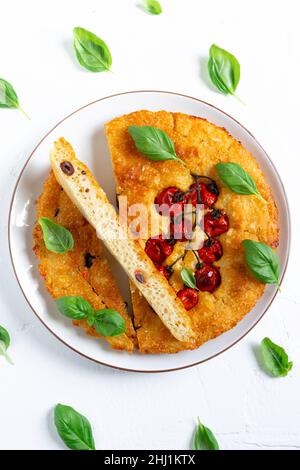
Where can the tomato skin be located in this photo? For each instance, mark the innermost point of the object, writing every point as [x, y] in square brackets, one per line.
[166, 271]
[211, 251]
[208, 278]
[172, 198]
[208, 195]
[158, 249]
[215, 223]
[189, 297]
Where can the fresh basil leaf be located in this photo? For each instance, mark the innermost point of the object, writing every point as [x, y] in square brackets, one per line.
[153, 7]
[8, 97]
[153, 142]
[204, 438]
[90, 319]
[188, 278]
[74, 307]
[108, 322]
[4, 337]
[91, 51]
[262, 261]
[4, 344]
[56, 237]
[223, 69]
[74, 429]
[237, 179]
[275, 359]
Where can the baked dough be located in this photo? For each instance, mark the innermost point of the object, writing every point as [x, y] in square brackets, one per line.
[201, 145]
[67, 274]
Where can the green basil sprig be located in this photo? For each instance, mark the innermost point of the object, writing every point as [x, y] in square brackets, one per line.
[56, 237]
[188, 278]
[74, 429]
[91, 51]
[262, 261]
[4, 344]
[204, 439]
[153, 7]
[223, 69]
[154, 143]
[107, 322]
[9, 98]
[274, 358]
[237, 179]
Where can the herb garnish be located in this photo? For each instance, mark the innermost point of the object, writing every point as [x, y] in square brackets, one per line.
[153, 7]
[274, 358]
[204, 438]
[74, 429]
[4, 344]
[262, 261]
[153, 142]
[107, 322]
[188, 278]
[91, 51]
[224, 70]
[237, 179]
[57, 238]
[9, 98]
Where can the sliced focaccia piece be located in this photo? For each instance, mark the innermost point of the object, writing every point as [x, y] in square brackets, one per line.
[201, 145]
[84, 191]
[85, 270]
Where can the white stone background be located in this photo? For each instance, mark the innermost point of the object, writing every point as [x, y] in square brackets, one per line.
[245, 408]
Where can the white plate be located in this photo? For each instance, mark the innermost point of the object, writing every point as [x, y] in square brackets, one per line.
[84, 130]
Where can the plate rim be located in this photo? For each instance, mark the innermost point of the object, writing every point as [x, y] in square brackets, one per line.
[12, 199]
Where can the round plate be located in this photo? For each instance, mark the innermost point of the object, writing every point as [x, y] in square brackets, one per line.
[85, 131]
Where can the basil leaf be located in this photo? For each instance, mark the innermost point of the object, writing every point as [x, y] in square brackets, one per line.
[74, 429]
[57, 238]
[204, 438]
[4, 344]
[91, 51]
[153, 142]
[237, 179]
[223, 69]
[188, 278]
[74, 307]
[153, 7]
[262, 261]
[275, 359]
[8, 97]
[108, 322]
[4, 337]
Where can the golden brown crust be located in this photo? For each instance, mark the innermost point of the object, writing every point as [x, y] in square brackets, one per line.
[201, 145]
[67, 274]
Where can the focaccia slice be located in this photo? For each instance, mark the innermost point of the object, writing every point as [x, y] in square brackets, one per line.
[84, 191]
[85, 270]
[201, 145]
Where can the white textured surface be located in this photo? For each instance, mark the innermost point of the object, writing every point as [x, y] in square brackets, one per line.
[245, 408]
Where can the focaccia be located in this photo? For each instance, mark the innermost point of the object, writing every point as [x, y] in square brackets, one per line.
[201, 145]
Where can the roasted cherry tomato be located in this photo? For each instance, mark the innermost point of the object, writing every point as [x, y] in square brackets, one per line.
[211, 251]
[159, 249]
[208, 278]
[215, 223]
[208, 193]
[170, 201]
[189, 297]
